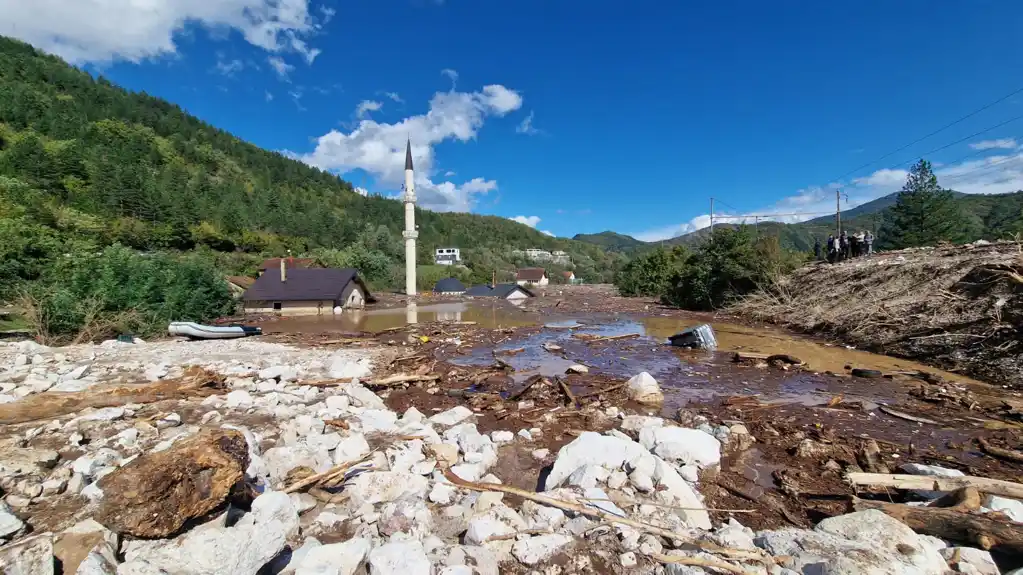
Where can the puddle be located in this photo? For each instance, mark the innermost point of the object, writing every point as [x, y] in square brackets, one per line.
[489, 315]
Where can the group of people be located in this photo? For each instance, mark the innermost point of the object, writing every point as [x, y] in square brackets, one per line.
[845, 246]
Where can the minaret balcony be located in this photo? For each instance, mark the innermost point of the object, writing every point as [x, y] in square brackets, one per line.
[409, 198]
[410, 235]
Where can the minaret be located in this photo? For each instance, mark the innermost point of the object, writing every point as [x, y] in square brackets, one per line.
[410, 234]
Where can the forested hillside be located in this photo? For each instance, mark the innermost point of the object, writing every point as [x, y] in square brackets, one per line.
[85, 164]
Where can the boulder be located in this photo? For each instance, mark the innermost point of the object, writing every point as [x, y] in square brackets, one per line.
[865, 542]
[970, 561]
[399, 558]
[280, 460]
[499, 519]
[30, 556]
[686, 446]
[155, 494]
[1013, 508]
[613, 453]
[101, 560]
[643, 388]
[215, 549]
[334, 559]
[536, 549]
[9, 522]
[344, 367]
[361, 396]
[382, 486]
[453, 416]
[351, 448]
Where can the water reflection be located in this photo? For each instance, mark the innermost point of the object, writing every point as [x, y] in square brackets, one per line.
[497, 314]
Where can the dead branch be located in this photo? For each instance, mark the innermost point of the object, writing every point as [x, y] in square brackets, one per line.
[529, 383]
[327, 476]
[603, 515]
[700, 561]
[1000, 452]
[568, 392]
[907, 416]
[400, 379]
[932, 483]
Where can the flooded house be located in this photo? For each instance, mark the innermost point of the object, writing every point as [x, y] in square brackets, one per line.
[290, 263]
[532, 276]
[238, 284]
[514, 293]
[303, 291]
[449, 286]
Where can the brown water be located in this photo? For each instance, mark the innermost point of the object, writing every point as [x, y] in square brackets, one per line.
[491, 315]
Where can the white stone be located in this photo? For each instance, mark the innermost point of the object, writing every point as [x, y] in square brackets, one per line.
[334, 559]
[89, 465]
[541, 454]
[539, 516]
[338, 402]
[643, 388]
[239, 398]
[156, 372]
[169, 420]
[361, 396]
[327, 441]
[525, 434]
[102, 414]
[641, 481]
[280, 460]
[468, 471]
[76, 373]
[617, 480]
[453, 416]
[303, 502]
[30, 556]
[628, 559]
[9, 522]
[577, 368]
[1013, 508]
[687, 446]
[588, 476]
[635, 423]
[351, 448]
[377, 421]
[442, 493]
[499, 519]
[383, 486]
[500, 437]
[345, 367]
[971, 561]
[934, 470]
[100, 561]
[412, 415]
[20, 360]
[399, 558]
[613, 453]
[536, 549]
[278, 372]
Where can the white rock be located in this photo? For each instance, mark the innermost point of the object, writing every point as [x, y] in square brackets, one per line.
[442, 493]
[613, 453]
[377, 421]
[278, 372]
[934, 470]
[1013, 508]
[21, 360]
[539, 516]
[541, 454]
[971, 561]
[577, 368]
[327, 441]
[156, 372]
[30, 556]
[102, 414]
[383, 486]
[643, 388]
[344, 367]
[338, 402]
[635, 423]
[90, 465]
[399, 558]
[169, 420]
[687, 446]
[588, 476]
[53, 486]
[617, 480]
[76, 373]
[499, 519]
[280, 460]
[641, 481]
[9, 522]
[525, 434]
[100, 561]
[351, 448]
[361, 396]
[628, 559]
[239, 398]
[303, 502]
[500, 437]
[334, 559]
[536, 549]
[468, 471]
[453, 416]
[412, 415]
[457, 570]
[329, 520]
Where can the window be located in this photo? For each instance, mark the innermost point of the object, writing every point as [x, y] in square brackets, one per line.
[277, 306]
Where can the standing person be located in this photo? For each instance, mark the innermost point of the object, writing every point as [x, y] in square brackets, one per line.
[869, 239]
[816, 248]
[843, 245]
[832, 249]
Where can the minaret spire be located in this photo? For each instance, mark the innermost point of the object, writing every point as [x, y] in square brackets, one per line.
[410, 234]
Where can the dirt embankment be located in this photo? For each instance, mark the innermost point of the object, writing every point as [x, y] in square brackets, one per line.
[959, 308]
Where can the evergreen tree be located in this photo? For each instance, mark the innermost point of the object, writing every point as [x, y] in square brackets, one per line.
[924, 214]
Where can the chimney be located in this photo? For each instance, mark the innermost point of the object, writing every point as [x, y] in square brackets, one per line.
[284, 271]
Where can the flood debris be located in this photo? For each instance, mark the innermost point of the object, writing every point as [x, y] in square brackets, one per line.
[698, 337]
[157, 493]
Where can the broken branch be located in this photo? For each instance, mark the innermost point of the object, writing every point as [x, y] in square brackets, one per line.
[700, 561]
[1000, 452]
[931, 483]
[906, 416]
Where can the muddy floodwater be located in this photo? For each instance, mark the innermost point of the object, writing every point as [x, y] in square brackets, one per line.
[490, 315]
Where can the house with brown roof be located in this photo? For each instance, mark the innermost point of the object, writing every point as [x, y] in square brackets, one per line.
[298, 291]
[238, 284]
[532, 276]
[291, 263]
[569, 277]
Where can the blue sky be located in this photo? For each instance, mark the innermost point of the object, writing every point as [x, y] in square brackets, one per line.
[580, 117]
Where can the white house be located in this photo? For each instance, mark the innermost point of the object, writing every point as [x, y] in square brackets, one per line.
[447, 256]
[532, 276]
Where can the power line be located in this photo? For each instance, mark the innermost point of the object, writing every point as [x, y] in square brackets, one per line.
[939, 130]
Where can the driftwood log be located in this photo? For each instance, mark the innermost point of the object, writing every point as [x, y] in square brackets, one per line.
[959, 522]
[930, 483]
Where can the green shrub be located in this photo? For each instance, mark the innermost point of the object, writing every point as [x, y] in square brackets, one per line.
[651, 274]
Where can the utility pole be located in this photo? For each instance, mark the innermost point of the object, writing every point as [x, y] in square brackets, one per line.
[838, 212]
[712, 214]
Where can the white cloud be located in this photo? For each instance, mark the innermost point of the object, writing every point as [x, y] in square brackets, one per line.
[394, 96]
[545, 232]
[361, 191]
[526, 126]
[452, 75]
[105, 30]
[281, 67]
[1000, 144]
[530, 221]
[448, 174]
[991, 175]
[379, 148]
[367, 106]
[269, 97]
[228, 67]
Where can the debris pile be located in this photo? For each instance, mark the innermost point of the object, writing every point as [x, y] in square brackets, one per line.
[294, 464]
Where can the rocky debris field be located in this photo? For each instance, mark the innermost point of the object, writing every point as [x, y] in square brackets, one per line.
[246, 457]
